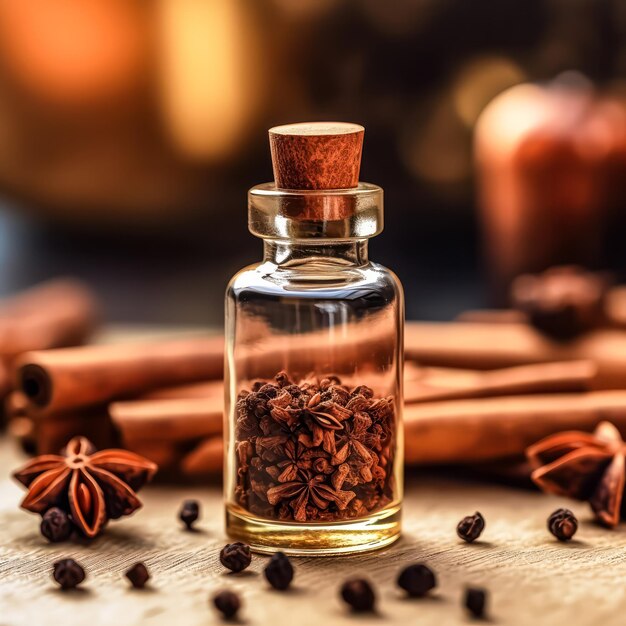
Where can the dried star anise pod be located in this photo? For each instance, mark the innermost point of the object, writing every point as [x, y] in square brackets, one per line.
[584, 466]
[352, 441]
[297, 458]
[93, 487]
[309, 487]
[323, 420]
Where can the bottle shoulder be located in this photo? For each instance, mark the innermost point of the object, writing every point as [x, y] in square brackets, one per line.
[327, 282]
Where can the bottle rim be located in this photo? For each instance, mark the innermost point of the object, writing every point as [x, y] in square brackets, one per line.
[289, 214]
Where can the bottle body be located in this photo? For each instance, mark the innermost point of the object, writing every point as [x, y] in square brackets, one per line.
[313, 433]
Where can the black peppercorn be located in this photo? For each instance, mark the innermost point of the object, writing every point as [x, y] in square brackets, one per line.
[189, 513]
[235, 556]
[358, 593]
[279, 571]
[475, 601]
[471, 527]
[227, 603]
[138, 575]
[563, 524]
[417, 580]
[68, 573]
[56, 525]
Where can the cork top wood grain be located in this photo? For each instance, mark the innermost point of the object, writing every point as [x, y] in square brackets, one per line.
[316, 155]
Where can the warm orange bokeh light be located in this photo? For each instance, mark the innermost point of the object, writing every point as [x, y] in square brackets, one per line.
[210, 70]
[72, 51]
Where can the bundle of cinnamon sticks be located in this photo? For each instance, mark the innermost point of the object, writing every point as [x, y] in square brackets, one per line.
[159, 398]
[58, 313]
[475, 392]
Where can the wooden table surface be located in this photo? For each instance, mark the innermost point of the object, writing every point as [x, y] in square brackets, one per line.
[532, 578]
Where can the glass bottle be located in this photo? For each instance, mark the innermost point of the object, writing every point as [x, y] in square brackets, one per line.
[314, 353]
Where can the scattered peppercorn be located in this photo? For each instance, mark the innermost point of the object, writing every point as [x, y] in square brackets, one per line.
[138, 575]
[68, 573]
[563, 524]
[279, 571]
[471, 527]
[56, 525]
[417, 580]
[227, 603]
[358, 593]
[475, 601]
[236, 556]
[189, 513]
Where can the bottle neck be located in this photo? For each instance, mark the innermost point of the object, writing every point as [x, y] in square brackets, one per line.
[345, 252]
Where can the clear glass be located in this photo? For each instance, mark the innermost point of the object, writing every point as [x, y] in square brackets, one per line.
[313, 436]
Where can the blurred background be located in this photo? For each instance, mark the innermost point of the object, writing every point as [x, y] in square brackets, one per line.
[131, 130]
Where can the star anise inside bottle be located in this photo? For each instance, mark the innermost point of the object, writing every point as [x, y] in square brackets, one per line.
[313, 451]
[298, 457]
[309, 487]
[584, 466]
[93, 487]
[353, 440]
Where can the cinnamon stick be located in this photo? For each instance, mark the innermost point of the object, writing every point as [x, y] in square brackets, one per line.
[493, 428]
[490, 346]
[52, 433]
[493, 316]
[168, 419]
[427, 384]
[209, 389]
[59, 380]
[58, 313]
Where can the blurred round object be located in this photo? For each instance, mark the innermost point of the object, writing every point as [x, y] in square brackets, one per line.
[562, 302]
[73, 51]
[551, 161]
[518, 111]
[479, 81]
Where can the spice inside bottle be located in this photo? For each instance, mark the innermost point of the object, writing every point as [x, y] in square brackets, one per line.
[314, 358]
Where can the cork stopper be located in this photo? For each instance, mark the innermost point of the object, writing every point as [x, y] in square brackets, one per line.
[318, 156]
